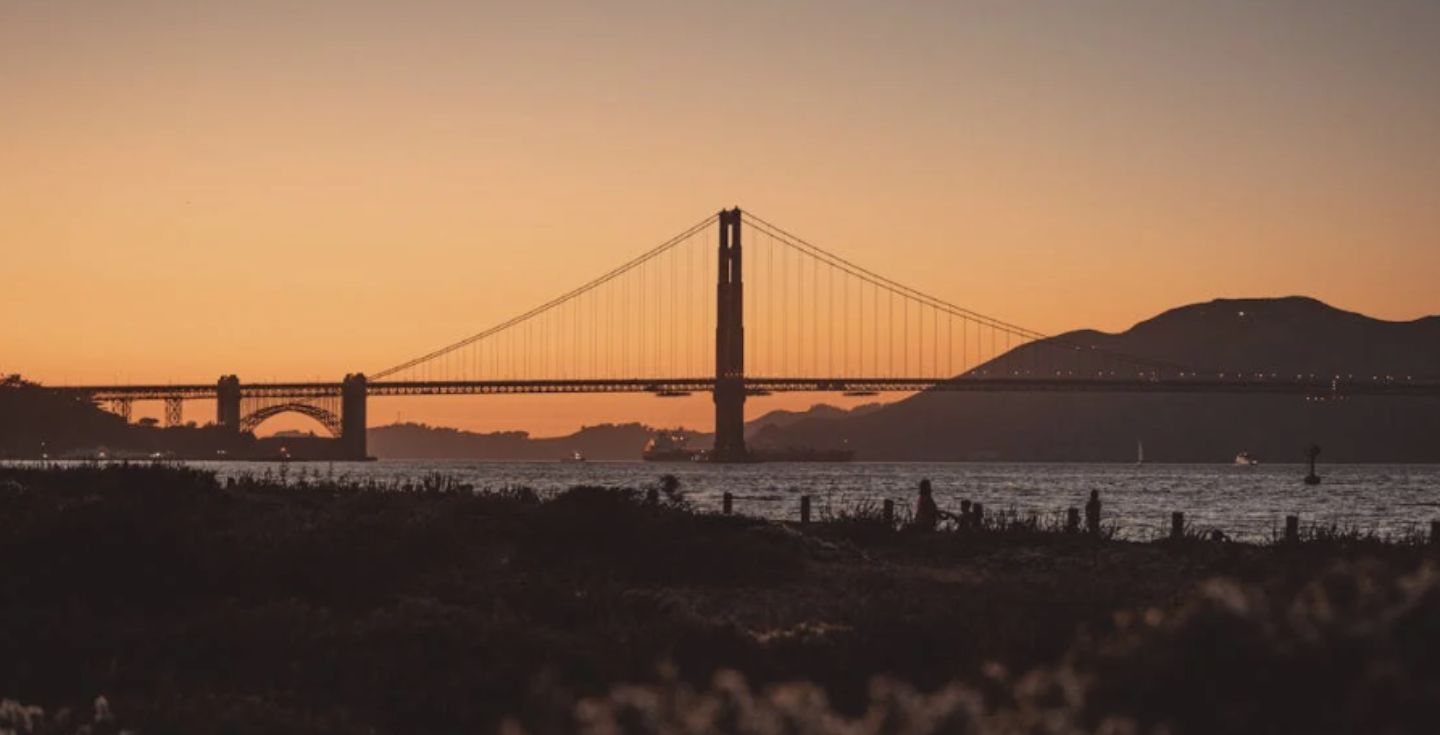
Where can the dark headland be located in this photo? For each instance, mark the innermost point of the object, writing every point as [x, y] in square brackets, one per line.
[1282, 336]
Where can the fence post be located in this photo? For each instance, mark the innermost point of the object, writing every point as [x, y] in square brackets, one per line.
[1435, 533]
[1072, 520]
[979, 510]
[804, 508]
[1292, 529]
[1177, 526]
[727, 503]
[889, 507]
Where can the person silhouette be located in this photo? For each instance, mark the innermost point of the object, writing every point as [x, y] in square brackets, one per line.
[1092, 513]
[927, 514]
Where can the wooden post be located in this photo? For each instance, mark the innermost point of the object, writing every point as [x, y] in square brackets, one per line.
[1292, 529]
[804, 508]
[1435, 533]
[1072, 520]
[979, 510]
[889, 509]
[727, 503]
[1177, 526]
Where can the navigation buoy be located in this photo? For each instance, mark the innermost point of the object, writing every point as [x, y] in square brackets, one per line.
[1311, 454]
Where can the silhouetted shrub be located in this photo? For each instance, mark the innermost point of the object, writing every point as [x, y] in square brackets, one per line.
[424, 606]
[1351, 652]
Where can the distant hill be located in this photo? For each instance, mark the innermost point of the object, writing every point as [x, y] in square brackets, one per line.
[603, 442]
[36, 422]
[779, 419]
[1283, 335]
[419, 441]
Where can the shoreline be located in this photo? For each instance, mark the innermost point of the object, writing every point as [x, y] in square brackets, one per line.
[1246, 503]
[661, 464]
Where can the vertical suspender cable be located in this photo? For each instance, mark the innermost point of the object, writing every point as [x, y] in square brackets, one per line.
[787, 312]
[890, 327]
[815, 316]
[689, 307]
[830, 317]
[935, 348]
[772, 359]
[673, 368]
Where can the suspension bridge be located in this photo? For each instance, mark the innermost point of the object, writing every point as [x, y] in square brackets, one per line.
[734, 306]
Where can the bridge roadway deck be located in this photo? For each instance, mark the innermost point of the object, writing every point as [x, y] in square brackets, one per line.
[1306, 386]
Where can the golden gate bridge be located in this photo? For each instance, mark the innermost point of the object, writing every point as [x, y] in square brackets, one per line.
[784, 315]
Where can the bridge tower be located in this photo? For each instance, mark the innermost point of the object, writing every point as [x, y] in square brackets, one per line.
[352, 417]
[729, 345]
[227, 403]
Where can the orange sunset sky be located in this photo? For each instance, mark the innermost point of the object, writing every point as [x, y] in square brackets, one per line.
[297, 190]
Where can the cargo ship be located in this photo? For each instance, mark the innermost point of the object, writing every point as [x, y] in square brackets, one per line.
[669, 447]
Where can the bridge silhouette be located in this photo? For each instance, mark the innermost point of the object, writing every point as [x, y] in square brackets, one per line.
[809, 320]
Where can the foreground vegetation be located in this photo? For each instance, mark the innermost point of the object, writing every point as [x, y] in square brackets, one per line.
[195, 607]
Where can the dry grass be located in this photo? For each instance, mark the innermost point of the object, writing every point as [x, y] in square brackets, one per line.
[426, 607]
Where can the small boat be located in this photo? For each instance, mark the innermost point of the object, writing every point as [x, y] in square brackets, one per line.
[1244, 459]
[575, 456]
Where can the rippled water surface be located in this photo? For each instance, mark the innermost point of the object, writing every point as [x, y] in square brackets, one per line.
[1245, 502]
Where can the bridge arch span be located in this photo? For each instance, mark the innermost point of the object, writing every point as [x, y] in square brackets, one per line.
[325, 417]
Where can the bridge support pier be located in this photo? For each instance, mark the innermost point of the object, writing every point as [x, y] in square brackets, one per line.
[352, 417]
[729, 422]
[730, 346]
[227, 403]
[174, 411]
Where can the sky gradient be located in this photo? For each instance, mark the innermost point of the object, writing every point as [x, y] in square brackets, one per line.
[300, 190]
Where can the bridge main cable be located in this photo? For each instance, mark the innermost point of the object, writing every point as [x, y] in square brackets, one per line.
[875, 279]
[574, 293]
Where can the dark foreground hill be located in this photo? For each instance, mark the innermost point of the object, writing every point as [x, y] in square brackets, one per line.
[1283, 336]
[193, 607]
